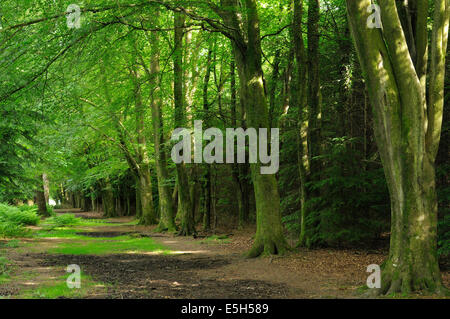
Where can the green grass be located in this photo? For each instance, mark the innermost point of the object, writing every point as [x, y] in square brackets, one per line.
[60, 289]
[59, 232]
[70, 220]
[101, 246]
[215, 239]
[63, 220]
[4, 269]
[14, 243]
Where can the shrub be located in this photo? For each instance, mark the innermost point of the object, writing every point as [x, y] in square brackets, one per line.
[64, 220]
[9, 229]
[348, 204]
[13, 219]
[23, 215]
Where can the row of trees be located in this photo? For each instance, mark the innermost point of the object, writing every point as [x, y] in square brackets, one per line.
[97, 106]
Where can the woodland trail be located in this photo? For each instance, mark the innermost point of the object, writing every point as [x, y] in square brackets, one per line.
[205, 267]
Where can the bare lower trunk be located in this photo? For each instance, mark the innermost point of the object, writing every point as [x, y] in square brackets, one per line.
[109, 209]
[138, 200]
[148, 216]
[40, 199]
[412, 264]
[185, 206]
[46, 184]
[269, 238]
[208, 202]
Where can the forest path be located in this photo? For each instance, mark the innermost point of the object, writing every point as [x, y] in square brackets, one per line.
[207, 267]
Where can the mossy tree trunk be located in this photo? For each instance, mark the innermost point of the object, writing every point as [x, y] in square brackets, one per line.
[109, 209]
[138, 200]
[148, 216]
[298, 93]
[246, 43]
[185, 206]
[46, 184]
[167, 218]
[407, 130]
[239, 171]
[40, 198]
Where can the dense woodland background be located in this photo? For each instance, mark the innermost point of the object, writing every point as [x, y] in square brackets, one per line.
[86, 114]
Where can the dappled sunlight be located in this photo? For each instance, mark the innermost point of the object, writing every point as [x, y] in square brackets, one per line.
[30, 283]
[190, 252]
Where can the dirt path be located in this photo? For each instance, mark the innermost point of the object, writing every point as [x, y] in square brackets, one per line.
[197, 268]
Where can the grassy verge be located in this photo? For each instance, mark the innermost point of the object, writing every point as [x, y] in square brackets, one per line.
[102, 246]
[215, 239]
[59, 288]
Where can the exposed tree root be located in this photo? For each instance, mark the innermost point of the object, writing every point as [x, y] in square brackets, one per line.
[162, 228]
[267, 247]
[187, 231]
[404, 280]
[146, 221]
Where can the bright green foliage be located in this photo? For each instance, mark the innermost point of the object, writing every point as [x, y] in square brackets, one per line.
[21, 216]
[63, 220]
[13, 220]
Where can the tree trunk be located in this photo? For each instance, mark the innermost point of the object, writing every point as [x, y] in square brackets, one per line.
[185, 206]
[407, 135]
[46, 184]
[269, 237]
[166, 221]
[40, 198]
[298, 100]
[138, 200]
[313, 90]
[208, 203]
[239, 171]
[109, 209]
[148, 214]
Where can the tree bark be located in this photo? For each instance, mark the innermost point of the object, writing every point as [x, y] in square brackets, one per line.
[166, 220]
[109, 209]
[239, 171]
[46, 184]
[407, 136]
[298, 100]
[269, 237]
[185, 206]
[148, 216]
[40, 198]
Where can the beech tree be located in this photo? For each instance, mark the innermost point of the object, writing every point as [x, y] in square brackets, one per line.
[408, 113]
[246, 42]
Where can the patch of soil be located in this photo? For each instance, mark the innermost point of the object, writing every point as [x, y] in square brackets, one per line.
[6, 290]
[150, 276]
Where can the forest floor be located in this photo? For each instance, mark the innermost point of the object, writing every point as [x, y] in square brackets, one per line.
[119, 259]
